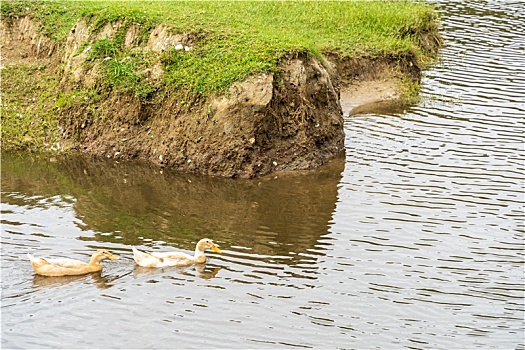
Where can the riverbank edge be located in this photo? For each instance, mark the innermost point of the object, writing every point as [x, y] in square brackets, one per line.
[285, 120]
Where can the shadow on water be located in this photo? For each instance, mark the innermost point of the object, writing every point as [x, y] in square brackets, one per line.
[133, 203]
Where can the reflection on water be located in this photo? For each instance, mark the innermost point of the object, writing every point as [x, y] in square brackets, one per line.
[93, 278]
[132, 203]
[414, 239]
[201, 271]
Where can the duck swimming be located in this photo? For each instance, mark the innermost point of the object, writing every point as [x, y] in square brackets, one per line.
[69, 267]
[162, 259]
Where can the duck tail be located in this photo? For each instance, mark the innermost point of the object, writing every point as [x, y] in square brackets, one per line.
[34, 260]
[137, 254]
[145, 259]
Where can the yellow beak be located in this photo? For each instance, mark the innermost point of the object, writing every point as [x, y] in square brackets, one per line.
[215, 248]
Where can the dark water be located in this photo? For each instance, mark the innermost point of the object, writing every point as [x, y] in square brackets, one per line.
[413, 239]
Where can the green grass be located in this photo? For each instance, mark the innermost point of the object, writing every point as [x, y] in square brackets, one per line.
[28, 117]
[240, 38]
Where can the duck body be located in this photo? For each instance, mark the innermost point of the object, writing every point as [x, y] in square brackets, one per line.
[69, 267]
[164, 259]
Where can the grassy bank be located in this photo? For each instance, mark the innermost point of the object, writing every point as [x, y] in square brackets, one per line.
[232, 40]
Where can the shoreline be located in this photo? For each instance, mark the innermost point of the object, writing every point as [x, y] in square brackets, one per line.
[290, 118]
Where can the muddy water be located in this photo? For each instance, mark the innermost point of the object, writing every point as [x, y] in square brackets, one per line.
[413, 239]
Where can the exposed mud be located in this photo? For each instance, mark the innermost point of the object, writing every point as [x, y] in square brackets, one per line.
[262, 125]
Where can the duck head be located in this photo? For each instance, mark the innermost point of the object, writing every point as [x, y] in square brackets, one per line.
[102, 254]
[207, 243]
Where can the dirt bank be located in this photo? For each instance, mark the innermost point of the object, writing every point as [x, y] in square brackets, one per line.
[264, 124]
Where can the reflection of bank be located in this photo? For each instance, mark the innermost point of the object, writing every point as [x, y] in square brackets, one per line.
[134, 203]
[201, 270]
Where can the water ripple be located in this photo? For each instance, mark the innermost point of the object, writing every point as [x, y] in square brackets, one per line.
[434, 197]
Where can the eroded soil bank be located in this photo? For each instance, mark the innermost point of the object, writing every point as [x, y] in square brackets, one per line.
[264, 124]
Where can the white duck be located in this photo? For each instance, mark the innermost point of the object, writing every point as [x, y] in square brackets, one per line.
[69, 267]
[163, 259]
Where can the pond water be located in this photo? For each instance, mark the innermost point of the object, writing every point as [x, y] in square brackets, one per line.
[412, 239]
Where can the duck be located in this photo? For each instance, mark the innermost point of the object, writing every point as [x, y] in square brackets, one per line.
[163, 259]
[69, 267]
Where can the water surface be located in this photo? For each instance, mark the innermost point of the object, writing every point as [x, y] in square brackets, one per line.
[412, 239]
